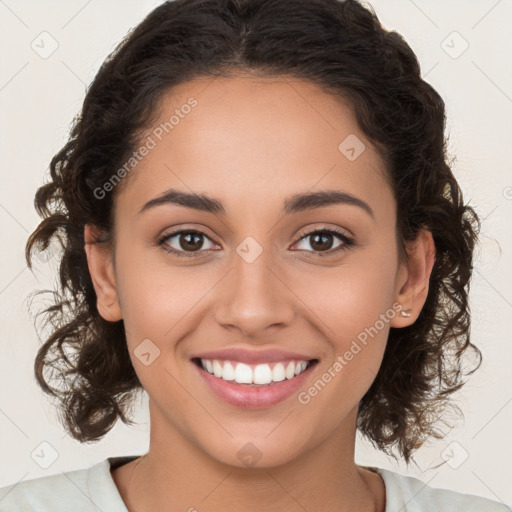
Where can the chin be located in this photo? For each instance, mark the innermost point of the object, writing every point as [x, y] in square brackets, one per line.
[254, 454]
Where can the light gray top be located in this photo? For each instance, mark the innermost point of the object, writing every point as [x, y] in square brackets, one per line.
[93, 489]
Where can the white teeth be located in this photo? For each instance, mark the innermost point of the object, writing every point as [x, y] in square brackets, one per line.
[290, 370]
[228, 372]
[260, 374]
[300, 367]
[217, 368]
[243, 374]
[278, 372]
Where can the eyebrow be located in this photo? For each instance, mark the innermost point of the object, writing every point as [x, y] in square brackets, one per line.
[294, 204]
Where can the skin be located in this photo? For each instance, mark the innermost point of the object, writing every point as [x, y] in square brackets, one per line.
[252, 143]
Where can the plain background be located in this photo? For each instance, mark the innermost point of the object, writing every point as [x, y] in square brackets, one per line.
[39, 98]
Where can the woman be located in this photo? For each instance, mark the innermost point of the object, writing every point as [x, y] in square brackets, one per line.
[262, 232]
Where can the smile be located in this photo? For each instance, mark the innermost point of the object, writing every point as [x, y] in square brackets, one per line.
[260, 374]
[253, 386]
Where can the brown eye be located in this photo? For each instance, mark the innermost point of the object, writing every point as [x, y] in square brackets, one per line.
[322, 241]
[185, 241]
[190, 241]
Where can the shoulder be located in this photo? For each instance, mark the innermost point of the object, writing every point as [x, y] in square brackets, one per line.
[85, 489]
[409, 494]
[53, 492]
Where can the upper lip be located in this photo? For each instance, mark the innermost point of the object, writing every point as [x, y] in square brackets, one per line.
[248, 356]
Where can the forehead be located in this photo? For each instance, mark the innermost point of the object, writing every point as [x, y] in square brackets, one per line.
[255, 139]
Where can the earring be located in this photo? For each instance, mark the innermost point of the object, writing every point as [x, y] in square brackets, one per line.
[404, 313]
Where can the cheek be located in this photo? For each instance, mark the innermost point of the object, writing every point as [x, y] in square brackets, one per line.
[353, 306]
[351, 297]
[161, 305]
[156, 296]
[355, 320]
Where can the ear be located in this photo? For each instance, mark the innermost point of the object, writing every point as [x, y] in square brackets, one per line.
[101, 269]
[412, 283]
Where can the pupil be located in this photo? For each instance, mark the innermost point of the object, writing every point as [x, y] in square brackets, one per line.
[325, 238]
[191, 245]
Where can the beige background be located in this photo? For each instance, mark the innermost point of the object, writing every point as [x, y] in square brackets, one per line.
[38, 99]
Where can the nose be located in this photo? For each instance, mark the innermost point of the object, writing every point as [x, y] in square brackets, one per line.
[255, 298]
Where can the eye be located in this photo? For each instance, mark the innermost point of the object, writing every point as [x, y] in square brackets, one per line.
[187, 241]
[322, 241]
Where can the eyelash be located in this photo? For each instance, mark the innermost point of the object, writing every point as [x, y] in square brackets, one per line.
[347, 242]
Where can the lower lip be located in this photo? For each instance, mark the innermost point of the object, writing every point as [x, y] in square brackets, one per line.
[254, 397]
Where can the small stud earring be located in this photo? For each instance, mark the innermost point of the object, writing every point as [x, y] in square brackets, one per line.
[404, 313]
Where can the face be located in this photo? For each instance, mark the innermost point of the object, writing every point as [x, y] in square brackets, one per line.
[247, 274]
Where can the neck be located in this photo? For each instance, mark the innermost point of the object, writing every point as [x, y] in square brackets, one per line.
[177, 475]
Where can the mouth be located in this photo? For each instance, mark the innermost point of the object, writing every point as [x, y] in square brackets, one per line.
[254, 386]
[266, 374]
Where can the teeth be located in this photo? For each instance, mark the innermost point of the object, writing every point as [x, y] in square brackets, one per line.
[278, 373]
[262, 374]
[259, 374]
[242, 375]
[228, 372]
[300, 367]
[217, 368]
[290, 370]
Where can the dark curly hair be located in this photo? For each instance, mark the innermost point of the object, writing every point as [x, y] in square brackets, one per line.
[341, 46]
